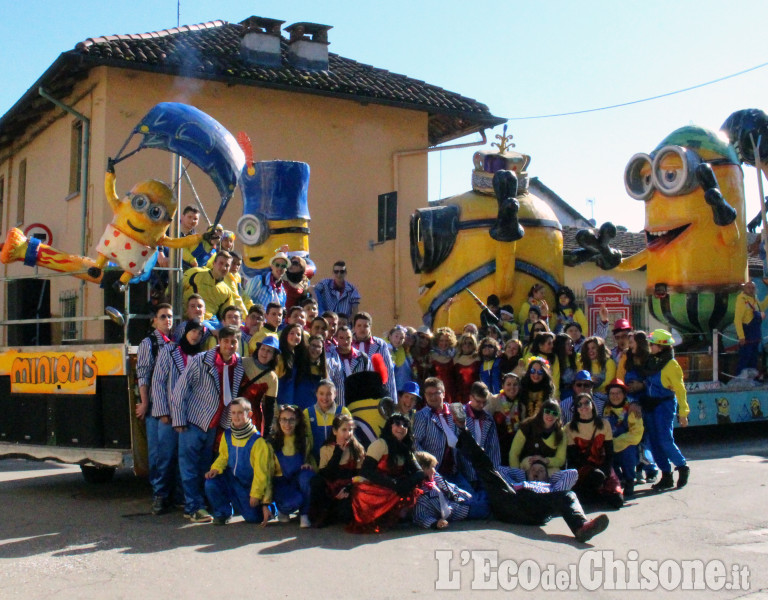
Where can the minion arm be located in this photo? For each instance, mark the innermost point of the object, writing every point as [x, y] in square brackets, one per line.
[110, 192]
[634, 262]
[188, 241]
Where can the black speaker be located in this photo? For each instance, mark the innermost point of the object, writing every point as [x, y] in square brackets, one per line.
[29, 298]
[23, 417]
[77, 420]
[115, 411]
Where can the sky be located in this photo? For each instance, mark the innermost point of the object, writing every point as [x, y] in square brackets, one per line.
[520, 59]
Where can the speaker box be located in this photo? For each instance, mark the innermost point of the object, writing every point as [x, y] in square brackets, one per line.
[77, 420]
[115, 411]
[23, 417]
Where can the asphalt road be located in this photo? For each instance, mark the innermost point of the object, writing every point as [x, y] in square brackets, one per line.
[63, 538]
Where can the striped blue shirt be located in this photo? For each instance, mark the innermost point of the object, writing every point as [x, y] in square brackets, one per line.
[429, 435]
[329, 298]
[261, 290]
[145, 358]
[195, 397]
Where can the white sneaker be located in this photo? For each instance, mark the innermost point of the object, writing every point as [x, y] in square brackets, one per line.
[283, 518]
[304, 522]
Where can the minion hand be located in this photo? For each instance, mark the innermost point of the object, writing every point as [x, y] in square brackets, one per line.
[111, 165]
[722, 212]
[596, 246]
[507, 227]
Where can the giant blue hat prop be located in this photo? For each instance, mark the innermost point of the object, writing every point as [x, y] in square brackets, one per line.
[277, 190]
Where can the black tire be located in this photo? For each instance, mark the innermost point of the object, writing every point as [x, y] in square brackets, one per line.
[97, 474]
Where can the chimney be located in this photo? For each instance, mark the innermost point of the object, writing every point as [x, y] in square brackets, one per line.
[308, 46]
[260, 42]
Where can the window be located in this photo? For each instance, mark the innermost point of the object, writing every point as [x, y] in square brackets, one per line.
[75, 157]
[22, 192]
[387, 226]
[68, 308]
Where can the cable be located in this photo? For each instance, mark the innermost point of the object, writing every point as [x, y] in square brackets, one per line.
[688, 89]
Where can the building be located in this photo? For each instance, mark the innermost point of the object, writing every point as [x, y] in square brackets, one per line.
[363, 130]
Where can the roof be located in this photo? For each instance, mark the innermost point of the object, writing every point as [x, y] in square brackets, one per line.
[212, 51]
[556, 201]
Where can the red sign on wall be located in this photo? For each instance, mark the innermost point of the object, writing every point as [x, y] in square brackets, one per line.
[615, 295]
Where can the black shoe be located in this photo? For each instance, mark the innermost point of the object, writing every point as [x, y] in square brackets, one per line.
[591, 528]
[220, 520]
[615, 500]
[665, 483]
[629, 490]
[94, 272]
[682, 476]
[159, 506]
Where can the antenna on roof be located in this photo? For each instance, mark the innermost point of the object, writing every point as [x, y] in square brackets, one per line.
[178, 13]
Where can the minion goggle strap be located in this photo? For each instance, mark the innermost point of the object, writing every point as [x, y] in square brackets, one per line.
[254, 229]
[671, 171]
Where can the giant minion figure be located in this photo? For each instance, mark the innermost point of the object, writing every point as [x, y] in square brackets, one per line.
[490, 245]
[275, 214]
[696, 251]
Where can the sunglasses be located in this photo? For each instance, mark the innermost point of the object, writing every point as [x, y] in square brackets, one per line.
[339, 271]
[551, 411]
[536, 371]
[582, 384]
[584, 404]
[281, 265]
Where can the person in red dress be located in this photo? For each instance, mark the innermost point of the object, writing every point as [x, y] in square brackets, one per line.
[441, 360]
[466, 367]
[386, 492]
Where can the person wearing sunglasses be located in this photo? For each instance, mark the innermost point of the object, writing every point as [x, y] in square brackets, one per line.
[536, 385]
[540, 438]
[590, 452]
[582, 384]
[336, 293]
[268, 286]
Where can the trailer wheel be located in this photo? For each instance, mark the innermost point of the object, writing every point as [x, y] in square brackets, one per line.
[97, 474]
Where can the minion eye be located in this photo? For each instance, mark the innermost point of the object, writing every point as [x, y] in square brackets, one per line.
[638, 177]
[157, 213]
[253, 229]
[139, 202]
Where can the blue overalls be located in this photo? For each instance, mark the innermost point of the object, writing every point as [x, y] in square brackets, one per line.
[230, 492]
[291, 491]
[659, 412]
[319, 432]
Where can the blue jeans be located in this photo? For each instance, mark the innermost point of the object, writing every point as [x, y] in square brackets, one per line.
[228, 496]
[293, 493]
[167, 482]
[195, 459]
[625, 463]
[659, 424]
[151, 424]
[479, 506]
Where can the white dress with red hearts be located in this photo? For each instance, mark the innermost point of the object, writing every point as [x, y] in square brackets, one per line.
[122, 249]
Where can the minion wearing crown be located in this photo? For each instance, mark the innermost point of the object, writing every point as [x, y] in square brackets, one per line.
[487, 241]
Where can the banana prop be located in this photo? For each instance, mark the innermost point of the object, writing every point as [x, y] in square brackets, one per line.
[138, 227]
[497, 239]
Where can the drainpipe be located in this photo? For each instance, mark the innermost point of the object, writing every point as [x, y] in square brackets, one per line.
[396, 156]
[83, 177]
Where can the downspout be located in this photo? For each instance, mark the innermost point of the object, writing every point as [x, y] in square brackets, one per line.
[83, 177]
[396, 184]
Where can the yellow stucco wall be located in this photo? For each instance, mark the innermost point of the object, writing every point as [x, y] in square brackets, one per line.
[348, 145]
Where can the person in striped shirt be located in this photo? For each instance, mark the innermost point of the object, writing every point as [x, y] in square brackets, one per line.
[199, 407]
[336, 294]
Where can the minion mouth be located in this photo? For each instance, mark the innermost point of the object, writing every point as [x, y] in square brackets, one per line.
[136, 229]
[426, 287]
[656, 240]
[255, 259]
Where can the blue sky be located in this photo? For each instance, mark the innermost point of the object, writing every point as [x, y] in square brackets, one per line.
[520, 59]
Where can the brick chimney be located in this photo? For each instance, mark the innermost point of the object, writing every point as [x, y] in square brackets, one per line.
[260, 42]
[308, 46]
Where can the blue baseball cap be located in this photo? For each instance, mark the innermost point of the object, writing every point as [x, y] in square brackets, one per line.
[270, 341]
[583, 376]
[411, 387]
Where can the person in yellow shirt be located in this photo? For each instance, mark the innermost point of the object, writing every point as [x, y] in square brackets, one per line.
[595, 358]
[665, 398]
[748, 320]
[318, 419]
[240, 479]
[627, 426]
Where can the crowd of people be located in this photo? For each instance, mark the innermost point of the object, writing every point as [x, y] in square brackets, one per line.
[521, 416]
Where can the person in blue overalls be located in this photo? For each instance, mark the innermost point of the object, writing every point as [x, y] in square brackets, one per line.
[240, 479]
[748, 320]
[318, 418]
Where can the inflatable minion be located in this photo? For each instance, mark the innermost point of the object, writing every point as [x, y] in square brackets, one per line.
[696, 251]
[275, 214]
[498, 245]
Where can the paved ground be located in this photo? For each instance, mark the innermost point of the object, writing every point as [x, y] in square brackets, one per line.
[63, 538]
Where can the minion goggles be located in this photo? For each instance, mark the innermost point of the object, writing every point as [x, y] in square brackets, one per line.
[644, 173]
